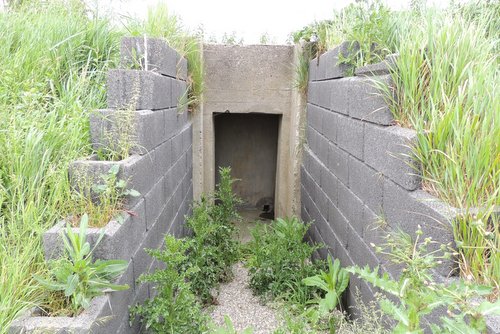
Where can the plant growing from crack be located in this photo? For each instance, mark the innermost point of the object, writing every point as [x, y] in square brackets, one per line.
[76, 275]
[419, 294]
[103, 201]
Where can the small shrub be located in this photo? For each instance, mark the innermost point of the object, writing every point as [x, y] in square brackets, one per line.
[332, 283]
[77, 276]
[174, 309]
[279, 259]
[419, 294]
[213, 249]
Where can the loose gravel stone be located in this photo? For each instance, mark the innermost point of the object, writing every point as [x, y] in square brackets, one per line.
[245, 310]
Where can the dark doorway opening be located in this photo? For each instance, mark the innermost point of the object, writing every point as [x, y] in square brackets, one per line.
[248, 143]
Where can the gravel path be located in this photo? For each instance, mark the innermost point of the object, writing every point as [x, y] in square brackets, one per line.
[236, 301]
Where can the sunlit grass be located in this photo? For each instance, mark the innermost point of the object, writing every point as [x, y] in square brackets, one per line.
[54, 63]
[161, 23]
[446, 80]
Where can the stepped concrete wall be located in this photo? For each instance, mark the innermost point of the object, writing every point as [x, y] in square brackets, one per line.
[144, 116]
[358, 175]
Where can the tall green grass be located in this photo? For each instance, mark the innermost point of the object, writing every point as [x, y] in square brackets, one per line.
[161, 23]
[54, 58]
[446, 83]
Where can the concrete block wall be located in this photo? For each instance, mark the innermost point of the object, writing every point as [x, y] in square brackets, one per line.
[358, 175]
[143, 105]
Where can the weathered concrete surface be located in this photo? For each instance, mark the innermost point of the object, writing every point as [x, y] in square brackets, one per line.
[149, 54]
[250, 79]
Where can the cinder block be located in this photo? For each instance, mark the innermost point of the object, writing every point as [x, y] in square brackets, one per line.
[331, 60]
[312, 139]
[313, 90]
[182, 68]
[360, 252]
[119, 301]
[306, 158]
[177, 148]
[326, 233]
[350, 136]
[322, 202]
[338, 224]
[381, 68]
[339, 95]
[163, 158]
[118, 241]
[171, 128]
[323, 147]
[389, 150]
[149, 54]
[182, 104]
[187, 138]
[155, 201]
[313, 70]
[138, 90]
[135, 170]
[366, 183]
[375, 228]
[314, 169]
[330, 124]
[338, 163]
[180, 169]
[367, 101]
[352, 208]
[324, 93]
[407, 210]
[141, 261]
[141, 130]
[314, 117]
[89, 321]
[329, 184]
[321, 70]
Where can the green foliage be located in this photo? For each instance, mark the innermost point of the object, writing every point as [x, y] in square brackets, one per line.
[279, 259]
[55, 56]
[321, 315]
[194, 265]
[77, 276]
[104, 201]
[162, 24]
[419, 294]
[445, 80]
[333, 283]
[228, 328]
[369, 27]
[175, 308]
[213, 249]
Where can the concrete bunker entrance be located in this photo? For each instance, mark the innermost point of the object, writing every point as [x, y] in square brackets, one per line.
[248, 143]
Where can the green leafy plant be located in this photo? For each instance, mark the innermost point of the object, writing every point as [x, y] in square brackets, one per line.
[419, 294]
[213, 249]
[369, 27]
[77, 276]
[228, 328]
[279, 259]
[333, 283]
[103, 201]
[194, 265]
[175, 308]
